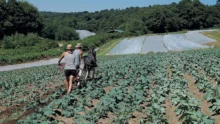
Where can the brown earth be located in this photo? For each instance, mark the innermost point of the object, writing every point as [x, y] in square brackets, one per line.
[170, 113]
[105, 121]
[95, 102]
[137, 118]
[169, 71]
[217, 119]
[108, 89]
[87, 108]
[108, 120]
[23, 116]
[204, 104]
[64, 120]
[211, 80]
[111, 115]
[9, 111]
[198, 95]
[3, 108]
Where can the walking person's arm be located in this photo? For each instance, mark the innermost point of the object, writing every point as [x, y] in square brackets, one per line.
[61, 57]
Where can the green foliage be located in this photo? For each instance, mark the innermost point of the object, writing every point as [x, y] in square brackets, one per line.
[20, 40]
[56, 31]
[66, 33]
[49, 30]
[20, 17]
[136, 27]
[187, 14]
[20, 48]
[136, 83]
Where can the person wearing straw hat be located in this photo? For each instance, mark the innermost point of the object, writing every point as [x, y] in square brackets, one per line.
[70, 68]
[79, 55]
[78, 50]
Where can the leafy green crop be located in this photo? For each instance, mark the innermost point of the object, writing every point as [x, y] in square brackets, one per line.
[125, 85]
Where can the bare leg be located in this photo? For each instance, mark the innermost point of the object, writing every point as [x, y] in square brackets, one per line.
[67, 85]
[70, 84]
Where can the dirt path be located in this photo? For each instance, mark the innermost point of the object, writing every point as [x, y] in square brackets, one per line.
[204, 104]
[108, 89]
[211, 80]
[198, 95]
[170, 113]
[169, 71]
[136, 118]
[170, 109]
[28, 65]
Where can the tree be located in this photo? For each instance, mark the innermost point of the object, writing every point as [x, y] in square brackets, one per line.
[3, 13]
[162, 20]
[66, 33]
[20, 17]
[49, 30]
[136, 27]
[31, 21]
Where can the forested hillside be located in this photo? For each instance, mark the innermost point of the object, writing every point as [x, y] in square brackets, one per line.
[22, 17]
[187, 14]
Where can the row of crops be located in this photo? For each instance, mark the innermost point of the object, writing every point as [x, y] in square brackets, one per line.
[128, 89]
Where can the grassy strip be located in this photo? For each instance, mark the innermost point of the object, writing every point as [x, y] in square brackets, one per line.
[214, 35]
[29, 56]
[105, 49]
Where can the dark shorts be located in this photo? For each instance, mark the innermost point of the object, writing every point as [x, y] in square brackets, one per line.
[68, 73]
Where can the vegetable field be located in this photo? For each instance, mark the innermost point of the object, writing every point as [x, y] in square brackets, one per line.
[173, 87]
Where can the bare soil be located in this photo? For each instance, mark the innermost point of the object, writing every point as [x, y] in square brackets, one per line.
[87, 108]
[111, 115]
[95, 102]
[3, 108]
[105, 121]
[108, 89]
[217, 119]
[198, 95]
[169, 71]
[64, 120]
[170, 113]
[204, 104]
[23, 116]
[137, 118]
[9, 111]
[211, 80]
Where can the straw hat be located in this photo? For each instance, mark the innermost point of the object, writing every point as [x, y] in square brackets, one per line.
[69, 47]
[78, 45]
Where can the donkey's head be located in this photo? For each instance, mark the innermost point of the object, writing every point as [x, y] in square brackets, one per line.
[92, 51]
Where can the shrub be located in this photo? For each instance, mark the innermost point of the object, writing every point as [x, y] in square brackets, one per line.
[20, 40]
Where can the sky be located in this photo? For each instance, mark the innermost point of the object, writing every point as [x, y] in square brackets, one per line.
[97, 5]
